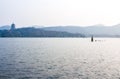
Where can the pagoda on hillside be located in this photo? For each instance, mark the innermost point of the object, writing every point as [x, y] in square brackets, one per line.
[12, 27]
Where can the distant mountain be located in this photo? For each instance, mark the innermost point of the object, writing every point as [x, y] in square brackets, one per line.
[33, 32]
[36, 26]
[96, 30]
[6, 27]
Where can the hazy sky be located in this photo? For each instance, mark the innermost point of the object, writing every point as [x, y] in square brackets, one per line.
[59, 12]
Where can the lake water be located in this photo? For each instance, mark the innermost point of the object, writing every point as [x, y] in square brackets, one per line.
[59, 58]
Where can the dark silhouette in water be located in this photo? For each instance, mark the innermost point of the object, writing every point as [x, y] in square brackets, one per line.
[92, 39]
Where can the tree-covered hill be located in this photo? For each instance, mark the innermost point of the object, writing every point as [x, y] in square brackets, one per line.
[33, 32]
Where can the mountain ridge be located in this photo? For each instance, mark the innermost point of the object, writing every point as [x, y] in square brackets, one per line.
[89, 30]
[95, 30]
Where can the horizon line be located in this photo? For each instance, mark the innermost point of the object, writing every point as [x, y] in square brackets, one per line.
[63, 25]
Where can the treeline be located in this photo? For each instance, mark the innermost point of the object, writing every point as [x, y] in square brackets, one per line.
[33, 32]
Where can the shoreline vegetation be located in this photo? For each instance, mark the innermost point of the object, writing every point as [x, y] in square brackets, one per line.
[33, 32]
[54, 32]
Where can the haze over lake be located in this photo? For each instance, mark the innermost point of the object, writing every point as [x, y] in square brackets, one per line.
[59, 58]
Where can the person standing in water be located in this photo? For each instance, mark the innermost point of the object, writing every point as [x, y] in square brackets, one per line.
[92, 39]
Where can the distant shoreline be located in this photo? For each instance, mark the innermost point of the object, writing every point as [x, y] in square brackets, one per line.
[59, 37]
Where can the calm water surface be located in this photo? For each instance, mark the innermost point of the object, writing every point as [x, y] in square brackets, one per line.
[59, 58]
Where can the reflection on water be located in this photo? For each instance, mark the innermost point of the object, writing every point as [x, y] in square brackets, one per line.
[59, 58]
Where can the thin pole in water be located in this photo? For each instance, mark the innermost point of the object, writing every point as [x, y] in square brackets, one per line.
[92, 39]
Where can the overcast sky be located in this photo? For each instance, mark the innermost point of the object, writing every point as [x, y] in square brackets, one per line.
[59, 12]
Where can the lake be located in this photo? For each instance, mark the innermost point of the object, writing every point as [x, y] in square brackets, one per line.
[59, 58]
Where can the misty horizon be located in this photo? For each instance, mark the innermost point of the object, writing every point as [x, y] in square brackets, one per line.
[99, 25]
